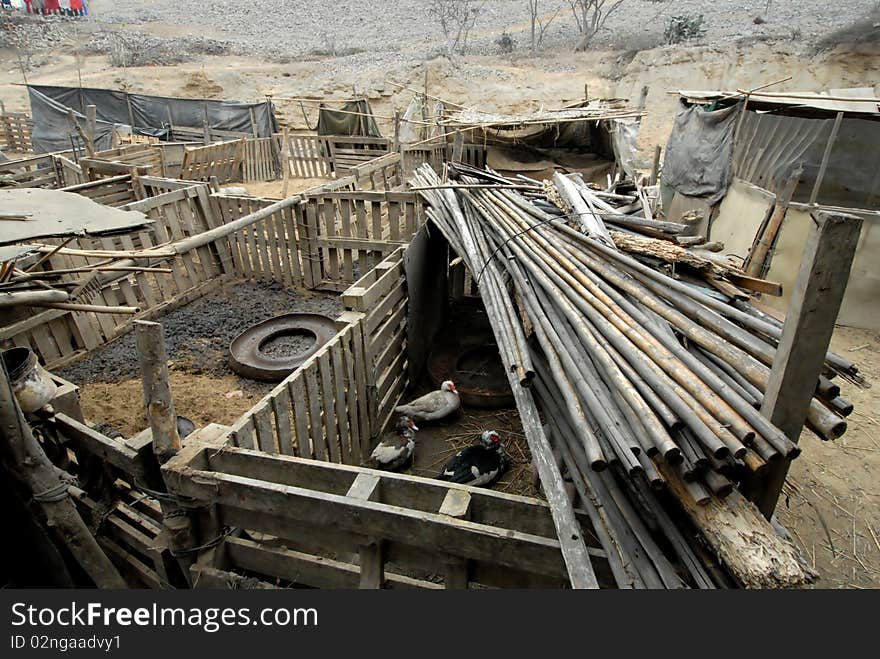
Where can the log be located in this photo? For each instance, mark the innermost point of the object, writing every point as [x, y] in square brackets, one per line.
[742, 539]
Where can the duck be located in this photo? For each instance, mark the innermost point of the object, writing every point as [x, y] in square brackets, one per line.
[477, 465]
[433, 406]
[395, 448]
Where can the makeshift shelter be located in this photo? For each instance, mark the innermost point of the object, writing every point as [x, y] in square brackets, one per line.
[736, 160]
[589, 137]
[164, 117]
[354, 118]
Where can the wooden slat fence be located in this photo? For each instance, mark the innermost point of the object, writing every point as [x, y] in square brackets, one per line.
[381, 297]
[34, 172]
[358, 229]
[347, 152]
[60, 336]
[281, 247]
[150, 159]
[405, 529]
[333, 406]
[115, 191]
[222, 160]
[308, 156]
[16, 129]
[262, 160]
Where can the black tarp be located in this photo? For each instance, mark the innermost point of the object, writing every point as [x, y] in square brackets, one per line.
[147, 115]
[355, 118]
[699, 152]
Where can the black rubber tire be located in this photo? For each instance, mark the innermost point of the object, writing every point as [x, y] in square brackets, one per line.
[247, 359]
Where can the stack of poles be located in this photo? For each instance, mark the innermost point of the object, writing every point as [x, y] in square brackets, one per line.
[638, 371]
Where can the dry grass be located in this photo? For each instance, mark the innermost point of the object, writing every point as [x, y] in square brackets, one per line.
[517, 479]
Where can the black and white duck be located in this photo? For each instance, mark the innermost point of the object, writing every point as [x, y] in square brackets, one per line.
[480, 464]
[395, 448]
[433, 406]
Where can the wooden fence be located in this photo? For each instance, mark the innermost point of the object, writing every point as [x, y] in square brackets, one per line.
[344, 526]
[221, 160]
[325, 242]
[33, 172]
[357, 229]
[261, 160]
[333, 406]
[316, 156]
[60, 336]
[141, 158]
[346, 152]
[308, 156]
[115, 191]
[16, 129]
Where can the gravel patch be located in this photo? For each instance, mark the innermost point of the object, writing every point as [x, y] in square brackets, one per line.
[197, 336]
[407, 31]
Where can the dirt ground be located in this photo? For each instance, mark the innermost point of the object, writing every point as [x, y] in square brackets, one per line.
[197, 338]
[831, 503]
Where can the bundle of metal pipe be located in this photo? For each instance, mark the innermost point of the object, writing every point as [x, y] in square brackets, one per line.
[637, 371]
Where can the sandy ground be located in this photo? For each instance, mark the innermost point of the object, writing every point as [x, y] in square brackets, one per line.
[197, 338]
[832, 498]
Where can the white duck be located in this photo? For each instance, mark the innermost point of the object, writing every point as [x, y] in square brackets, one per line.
[433, 406]
[395, 448]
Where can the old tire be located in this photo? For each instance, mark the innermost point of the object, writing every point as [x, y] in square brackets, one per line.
[246, 356]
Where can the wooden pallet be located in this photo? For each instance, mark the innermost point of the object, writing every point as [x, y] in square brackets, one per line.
[336, 526]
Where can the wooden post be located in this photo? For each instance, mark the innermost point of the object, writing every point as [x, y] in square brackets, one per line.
[457, 504]
[395, 145]
[50, 491]
[457, 146]
[92, 126]
[643, 98]
[655, 168]
[806, 335]
[285, 160]
[153, 360]
[157, 392]
[366, 488]
[254, 131]
[754, 265]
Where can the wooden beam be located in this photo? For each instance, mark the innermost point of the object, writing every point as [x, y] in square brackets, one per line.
[806, 335]
[366, 488]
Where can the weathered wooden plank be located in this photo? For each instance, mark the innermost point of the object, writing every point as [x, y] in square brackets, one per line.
[328, 392]
[806, 335]
[281, 406]
[316, 422]
[303, 444]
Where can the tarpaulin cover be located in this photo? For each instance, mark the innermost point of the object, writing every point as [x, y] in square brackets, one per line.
[699, 152]
[362, 123]
[52, 128]
[147, 115]
[625, 140]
